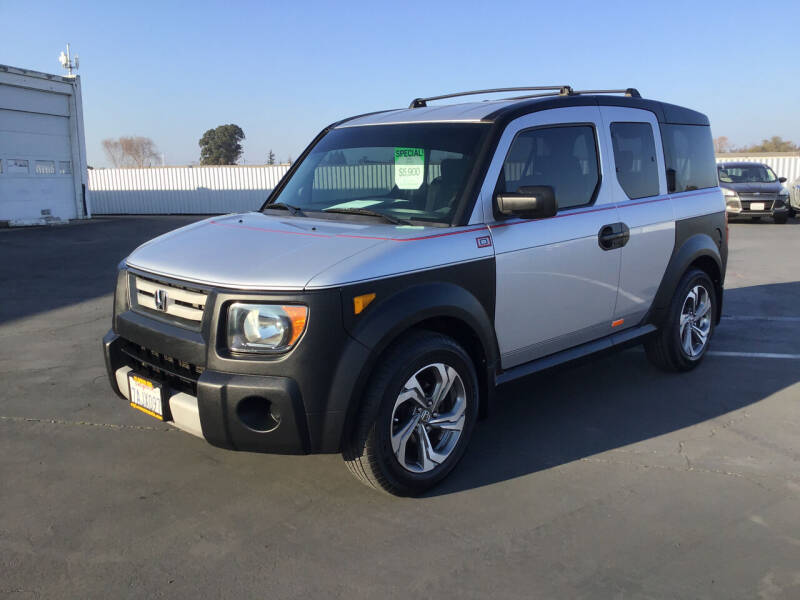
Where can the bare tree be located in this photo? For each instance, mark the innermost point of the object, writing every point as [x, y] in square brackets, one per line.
[131, 151]
[113, 150]
[141, 151]
[721, 144]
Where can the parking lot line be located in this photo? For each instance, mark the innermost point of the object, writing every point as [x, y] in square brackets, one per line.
[754, 354]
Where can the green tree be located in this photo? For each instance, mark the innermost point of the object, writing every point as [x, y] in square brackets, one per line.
[271, 158]
[221, 146]
[774, 144]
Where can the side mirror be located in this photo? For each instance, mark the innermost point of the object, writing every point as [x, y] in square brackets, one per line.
[781, 179]
[529, 202]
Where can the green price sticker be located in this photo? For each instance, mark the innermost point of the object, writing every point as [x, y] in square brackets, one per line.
[409, 168]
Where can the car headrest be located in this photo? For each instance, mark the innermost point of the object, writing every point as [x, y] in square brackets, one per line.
[453, 171]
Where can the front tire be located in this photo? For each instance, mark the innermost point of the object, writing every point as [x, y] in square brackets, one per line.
[682, 341]
[417, 416]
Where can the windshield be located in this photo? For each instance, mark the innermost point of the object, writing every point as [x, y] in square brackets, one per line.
[408, 172]
[747, 174]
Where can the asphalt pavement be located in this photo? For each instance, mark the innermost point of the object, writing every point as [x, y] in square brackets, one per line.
[604, 480]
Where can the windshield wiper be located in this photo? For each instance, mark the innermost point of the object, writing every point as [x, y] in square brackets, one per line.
[369, 213]
[293, 210]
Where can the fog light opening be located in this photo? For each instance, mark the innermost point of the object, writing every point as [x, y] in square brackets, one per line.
[258, 414]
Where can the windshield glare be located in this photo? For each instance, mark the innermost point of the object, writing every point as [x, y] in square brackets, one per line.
[747, 174]
[410, 172]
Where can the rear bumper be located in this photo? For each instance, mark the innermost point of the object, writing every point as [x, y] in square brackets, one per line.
[233, 411]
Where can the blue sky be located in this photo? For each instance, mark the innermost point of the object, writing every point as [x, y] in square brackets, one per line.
[282, 71]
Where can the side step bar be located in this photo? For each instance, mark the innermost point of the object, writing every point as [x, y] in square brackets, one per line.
[615, 340]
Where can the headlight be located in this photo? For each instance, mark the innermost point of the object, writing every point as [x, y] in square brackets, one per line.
[265, 328]
[732, 200]
[121, 300]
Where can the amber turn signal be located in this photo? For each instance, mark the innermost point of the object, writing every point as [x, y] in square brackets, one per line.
[361, 302]
[297, 315]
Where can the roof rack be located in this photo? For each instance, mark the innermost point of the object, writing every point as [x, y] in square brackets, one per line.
[550, 90]
[563, 90]
[630, 92]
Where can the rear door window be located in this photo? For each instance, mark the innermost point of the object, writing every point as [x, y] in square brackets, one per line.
[563, 157]
[635, 159]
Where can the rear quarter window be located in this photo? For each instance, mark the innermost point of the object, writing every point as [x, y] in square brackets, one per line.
[689, 157]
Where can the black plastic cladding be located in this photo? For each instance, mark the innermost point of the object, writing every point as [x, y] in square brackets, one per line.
[330, 365]
[696, 238]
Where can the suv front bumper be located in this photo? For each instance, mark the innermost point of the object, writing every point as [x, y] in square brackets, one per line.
[234, 411]
[745, 213]
[292, 403]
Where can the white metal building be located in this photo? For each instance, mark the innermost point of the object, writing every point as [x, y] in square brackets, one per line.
[42, 148]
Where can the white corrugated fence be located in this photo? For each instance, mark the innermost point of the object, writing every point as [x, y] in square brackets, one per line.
[784, 164]
[215, 190]
[182, 190]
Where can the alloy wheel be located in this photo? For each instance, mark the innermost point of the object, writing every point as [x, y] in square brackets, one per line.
[428, 418]
[695, 321]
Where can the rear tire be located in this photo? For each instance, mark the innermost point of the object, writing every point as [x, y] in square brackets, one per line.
[417, 415]
[683, 339]
[781, 219]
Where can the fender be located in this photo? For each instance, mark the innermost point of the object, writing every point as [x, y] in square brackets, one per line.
[691, 245]
[381, 325]
[418, 303]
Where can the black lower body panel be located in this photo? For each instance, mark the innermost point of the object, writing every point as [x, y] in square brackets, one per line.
[239, 412]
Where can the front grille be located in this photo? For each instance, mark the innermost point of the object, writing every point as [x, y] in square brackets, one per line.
[766, 199]
[758, 197]
[177, 374]
[176, 302]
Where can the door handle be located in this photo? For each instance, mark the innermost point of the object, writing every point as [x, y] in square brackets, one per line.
[612, 236]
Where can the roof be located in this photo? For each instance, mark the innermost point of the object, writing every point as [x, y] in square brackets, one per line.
[37, 74]
[466, 112]
[505, 110]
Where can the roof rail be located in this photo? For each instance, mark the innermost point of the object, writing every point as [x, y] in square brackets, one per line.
[631, 92]
[562, 90]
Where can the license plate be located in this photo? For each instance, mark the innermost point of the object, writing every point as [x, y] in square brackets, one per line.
[756, 206]
[146, 395]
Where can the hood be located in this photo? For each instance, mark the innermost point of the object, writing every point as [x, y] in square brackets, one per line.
[751, 188]
[257, 251]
